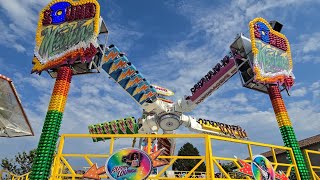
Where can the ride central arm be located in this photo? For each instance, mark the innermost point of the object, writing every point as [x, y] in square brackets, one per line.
[214, 79]
[122, 71]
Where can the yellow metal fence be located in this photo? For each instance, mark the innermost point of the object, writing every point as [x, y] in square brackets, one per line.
[62, 169]
[315, 169]
[8, 175]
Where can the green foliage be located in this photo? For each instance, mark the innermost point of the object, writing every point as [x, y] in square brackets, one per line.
[187, 164]
[19, 165]
[229, 167]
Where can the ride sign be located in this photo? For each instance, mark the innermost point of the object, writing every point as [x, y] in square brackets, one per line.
[272, 56]
[67, 31]
[260, 169]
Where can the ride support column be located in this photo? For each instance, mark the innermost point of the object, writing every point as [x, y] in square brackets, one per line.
[286, 129]
[50, 132]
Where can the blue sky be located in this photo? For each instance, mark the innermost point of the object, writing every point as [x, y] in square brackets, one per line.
[173, 43]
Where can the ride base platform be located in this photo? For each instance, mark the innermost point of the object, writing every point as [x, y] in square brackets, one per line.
[66, 165]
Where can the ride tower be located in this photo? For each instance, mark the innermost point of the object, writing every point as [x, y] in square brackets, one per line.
[264, 63]
[70, 40]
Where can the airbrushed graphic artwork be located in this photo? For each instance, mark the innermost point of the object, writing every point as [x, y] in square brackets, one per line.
[272, 55]
[122, 126]
[272, 60]
[261, 169]
[58, 39]
[66, 31]
[127, 164]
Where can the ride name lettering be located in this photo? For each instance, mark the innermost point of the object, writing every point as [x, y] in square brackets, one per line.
[227, 129]
[210, 74]
[69, 13]
[60, 38]
[122, 170]
[221, 81]
[272, 60]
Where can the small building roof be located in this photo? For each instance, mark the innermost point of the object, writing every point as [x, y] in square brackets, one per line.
[303, 144]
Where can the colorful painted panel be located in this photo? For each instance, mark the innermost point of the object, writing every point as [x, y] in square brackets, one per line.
[214, 79]
[163, 91]
[223, 129]
[129, 164]
[67, 31]
[122, 126]
[261, 168]
[117, 65]
[272, 55]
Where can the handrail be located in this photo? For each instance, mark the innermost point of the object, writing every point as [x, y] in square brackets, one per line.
[208, 158]
[14, 176]
[313, 168]
[63, 169]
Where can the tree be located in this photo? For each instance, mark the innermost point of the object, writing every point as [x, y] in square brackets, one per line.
[19, 165]
[187, 164]
[230, 167]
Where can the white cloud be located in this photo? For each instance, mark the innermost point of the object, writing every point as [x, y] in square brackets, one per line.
[305, 50]
[263, 6]
[23, 14]
[315, 89]
[299, 92]
[123, 36]
[9, 39]
[305, 117]
[315, 85]
[240, 98]
[18, 22]
[311, 43]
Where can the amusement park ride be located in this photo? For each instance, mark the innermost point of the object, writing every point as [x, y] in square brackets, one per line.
[13, 119]
[71, 39]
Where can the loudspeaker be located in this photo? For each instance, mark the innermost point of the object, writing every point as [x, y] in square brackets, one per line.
[276, 25]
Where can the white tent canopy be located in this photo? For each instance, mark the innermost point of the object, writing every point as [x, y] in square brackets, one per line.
[13, 120]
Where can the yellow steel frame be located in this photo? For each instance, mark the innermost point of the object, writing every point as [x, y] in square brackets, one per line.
[211, 161]
[313, 168]
[13, 176]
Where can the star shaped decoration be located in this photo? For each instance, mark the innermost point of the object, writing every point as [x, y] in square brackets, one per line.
[281, 176]
[94, 172]
[156, 162]
[246, 169]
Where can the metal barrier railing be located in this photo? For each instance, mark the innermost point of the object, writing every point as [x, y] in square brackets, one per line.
[13, 176]
[314, 169]
[249, 144]
[210, 160]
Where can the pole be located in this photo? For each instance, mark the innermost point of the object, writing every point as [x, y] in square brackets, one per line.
[287, 131]
[50, 132]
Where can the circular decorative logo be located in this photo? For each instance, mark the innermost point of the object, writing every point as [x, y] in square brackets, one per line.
[129, 164]
[262, 168]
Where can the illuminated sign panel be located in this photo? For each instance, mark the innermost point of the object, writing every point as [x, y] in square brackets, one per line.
[67, 31]
[272, 56]
[122, 126]
[226, 129]
[213, 80]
